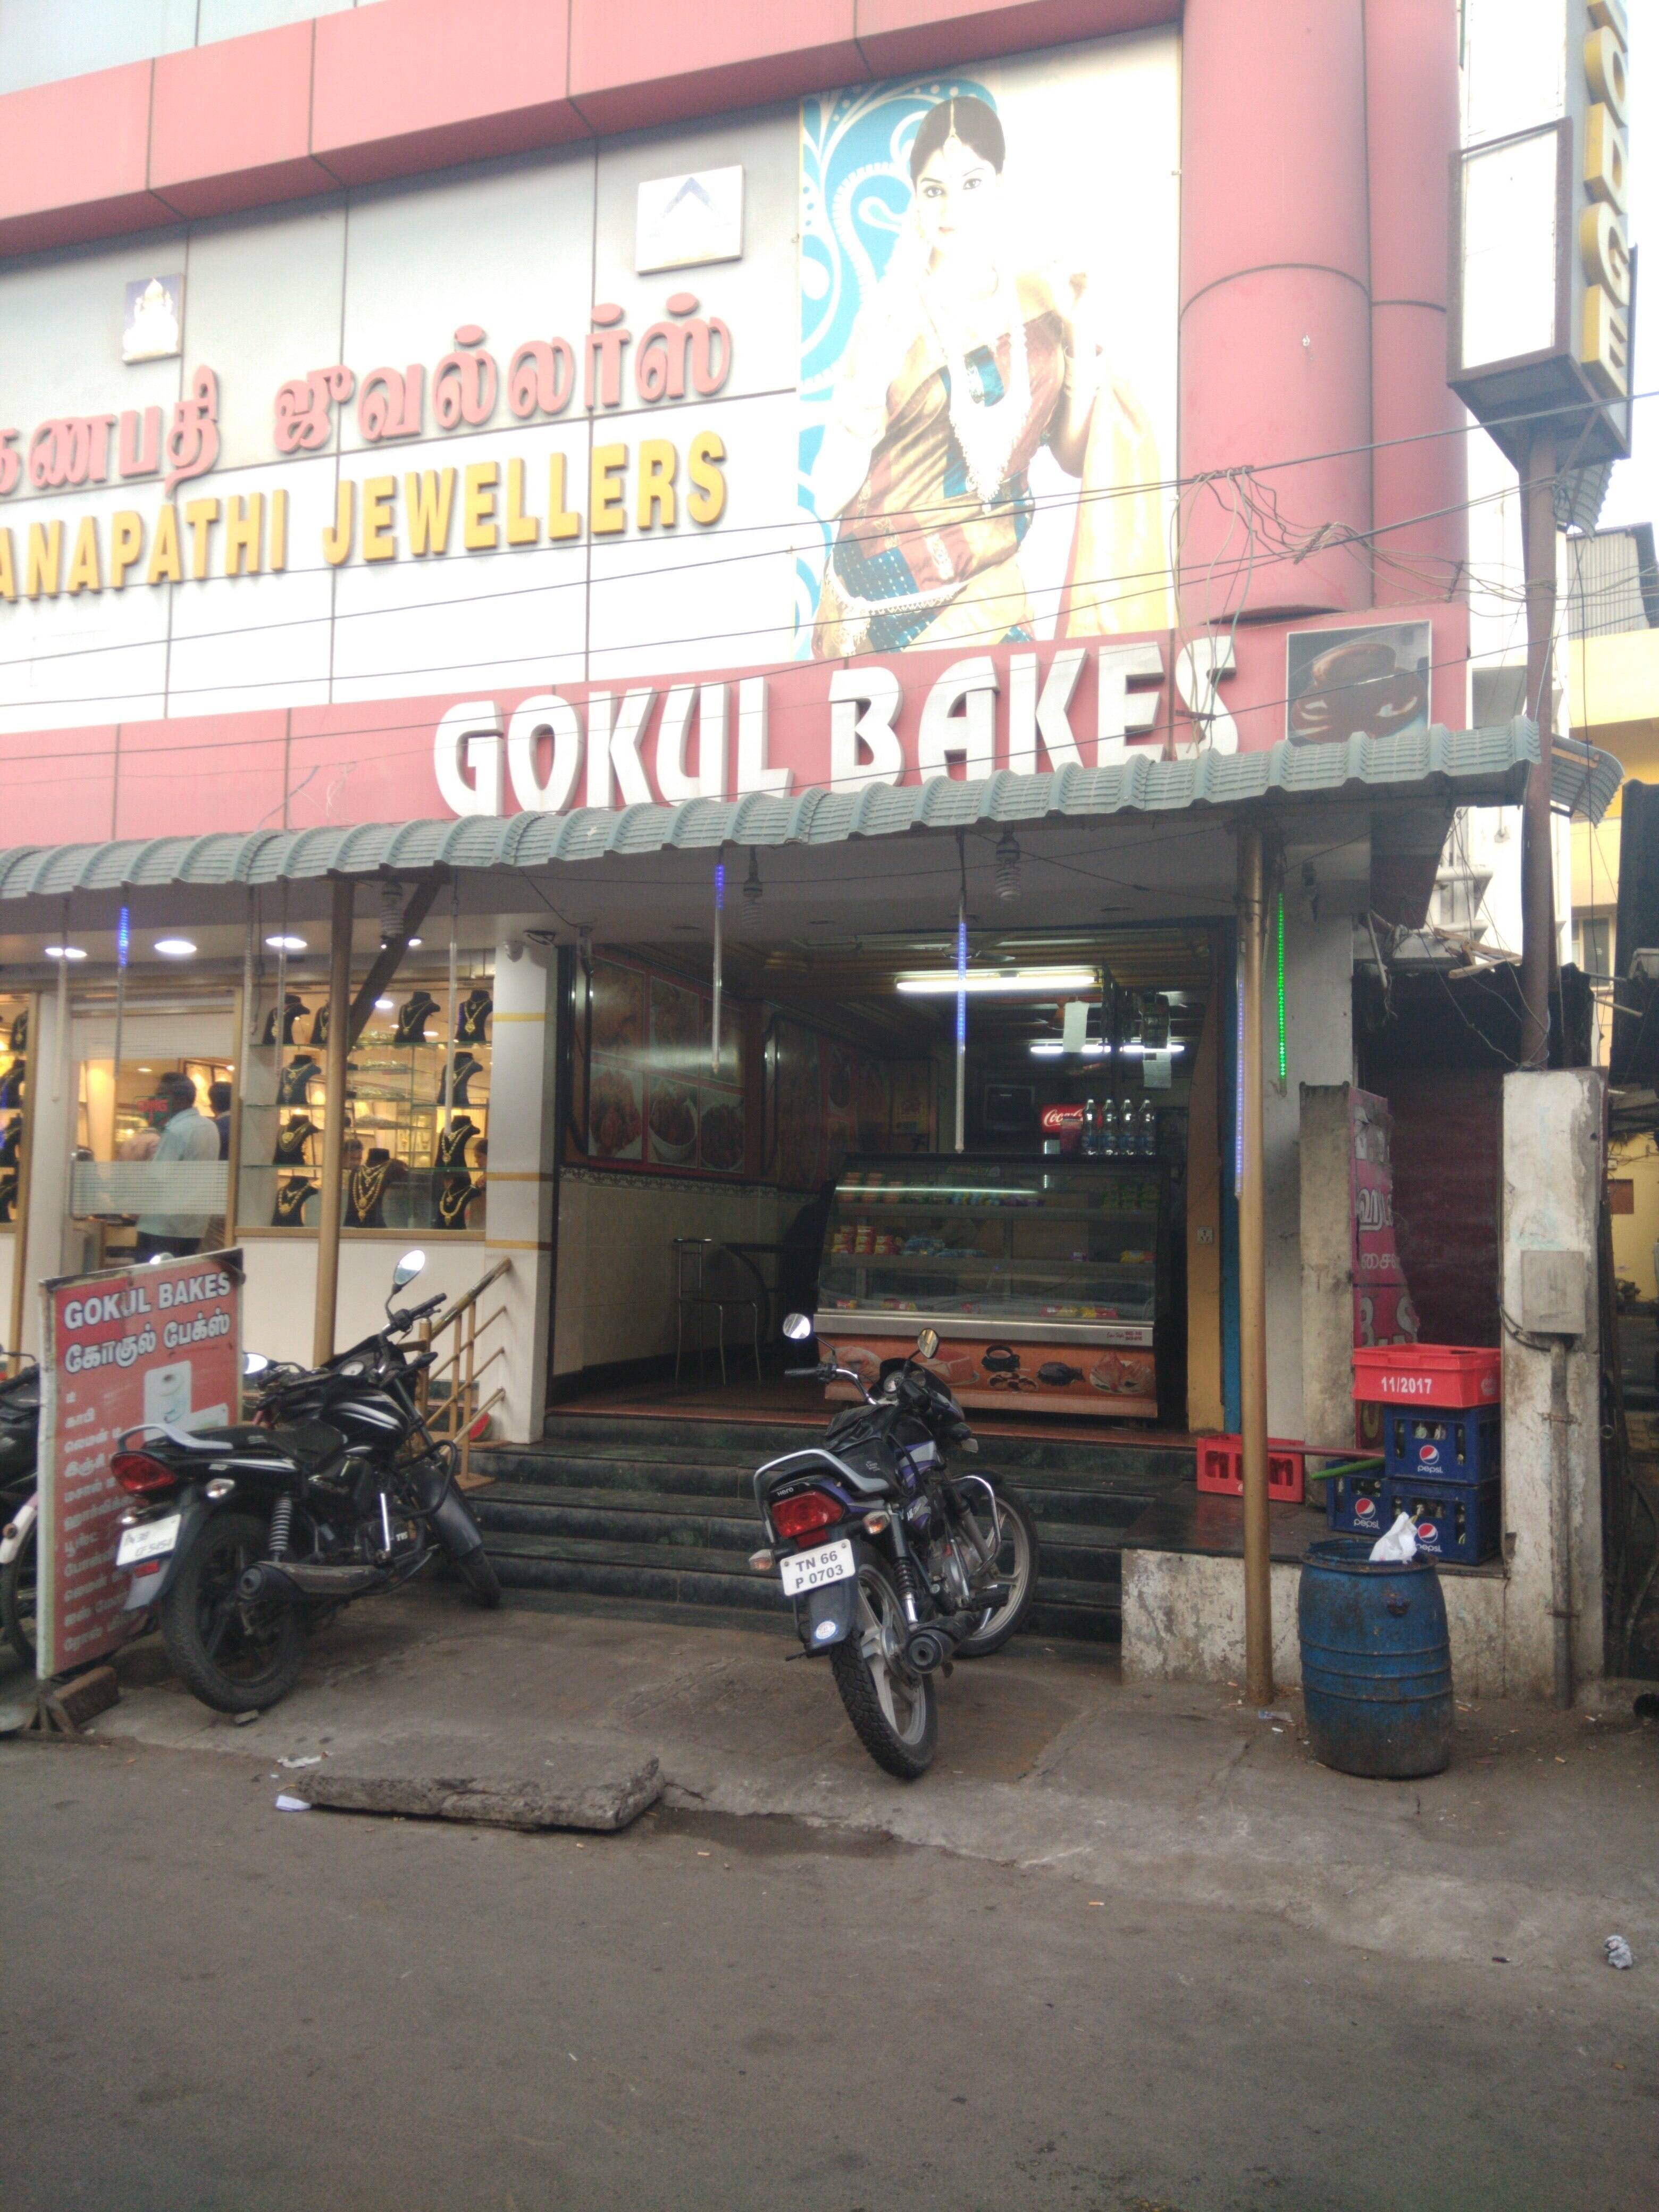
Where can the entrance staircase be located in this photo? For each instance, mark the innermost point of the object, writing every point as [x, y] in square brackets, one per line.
[659, 1510]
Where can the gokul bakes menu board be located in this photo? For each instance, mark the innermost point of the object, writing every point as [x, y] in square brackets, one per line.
[643, 1043]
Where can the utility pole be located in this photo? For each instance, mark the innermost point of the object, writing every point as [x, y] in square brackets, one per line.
[1538, 961]
[1253, 1276]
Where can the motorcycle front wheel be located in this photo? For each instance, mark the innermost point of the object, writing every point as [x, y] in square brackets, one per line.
[235, 1656]
[17, 1597]
[1016, 1568]
[894, 1709]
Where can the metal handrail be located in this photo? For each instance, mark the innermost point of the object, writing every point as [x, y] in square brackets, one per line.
[459, 1410]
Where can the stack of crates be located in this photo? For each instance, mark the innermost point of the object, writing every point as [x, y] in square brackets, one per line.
[1442, 1443]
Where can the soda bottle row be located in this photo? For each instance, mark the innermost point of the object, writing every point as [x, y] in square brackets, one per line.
[1117, 1129]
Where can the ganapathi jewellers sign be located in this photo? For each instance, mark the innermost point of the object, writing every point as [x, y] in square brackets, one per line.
[476, 507]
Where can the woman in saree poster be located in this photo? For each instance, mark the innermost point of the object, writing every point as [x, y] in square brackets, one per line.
[977, 460]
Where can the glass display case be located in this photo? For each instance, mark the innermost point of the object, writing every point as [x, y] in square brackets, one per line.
[1042, 1275]
[406, 1163]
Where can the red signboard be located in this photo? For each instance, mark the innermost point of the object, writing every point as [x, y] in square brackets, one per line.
[156, 1347]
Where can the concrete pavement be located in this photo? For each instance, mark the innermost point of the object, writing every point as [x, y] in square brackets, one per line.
[1535, 1847]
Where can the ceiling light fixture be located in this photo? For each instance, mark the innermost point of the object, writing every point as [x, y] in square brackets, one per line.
[1052, 1048]
[66, 953]
[1015, 982]
[175, 948]
[1005, 882]
[413, 942]
[286, 944]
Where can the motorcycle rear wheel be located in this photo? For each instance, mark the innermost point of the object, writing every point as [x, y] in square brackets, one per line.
[894, 1709]
[17, 1597]
[1016, 1565]
[235, 1657]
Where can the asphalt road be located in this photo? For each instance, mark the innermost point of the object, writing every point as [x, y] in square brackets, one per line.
[213, 2006]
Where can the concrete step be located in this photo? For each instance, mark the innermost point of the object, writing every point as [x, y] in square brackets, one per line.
[671, 1437]
[659, 1522]
[1110, 1494]
[1077, 1598]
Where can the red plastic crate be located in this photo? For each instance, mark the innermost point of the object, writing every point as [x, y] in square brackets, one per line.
[1221, 1468]
[1458, 1375]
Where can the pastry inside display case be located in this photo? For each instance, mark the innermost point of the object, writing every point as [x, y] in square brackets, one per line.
[413, 1157]
[1041, 1275]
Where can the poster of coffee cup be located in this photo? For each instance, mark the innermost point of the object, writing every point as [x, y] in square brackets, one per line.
[1370, 683]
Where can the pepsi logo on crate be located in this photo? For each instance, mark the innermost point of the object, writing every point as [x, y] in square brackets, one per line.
[1354, 1503]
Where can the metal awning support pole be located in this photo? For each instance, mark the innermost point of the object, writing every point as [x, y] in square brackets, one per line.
[1253, 1276]
[339, 1018]
[1537, 851]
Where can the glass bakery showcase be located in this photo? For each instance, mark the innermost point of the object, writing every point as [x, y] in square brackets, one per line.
[1042, 1275]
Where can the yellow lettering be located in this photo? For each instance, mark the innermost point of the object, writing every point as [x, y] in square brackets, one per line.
[379, 535]
[522, 529]
[561, 523]
[278, 531]
[478, 530]
[427, 499]
[337, 539]
[7, 574]
[657, 464]
[126, 543]
[44, 560]
[85, 574]
[607, 494]
[708, 503]
[165, 565]
[245, 530]
[200, 515]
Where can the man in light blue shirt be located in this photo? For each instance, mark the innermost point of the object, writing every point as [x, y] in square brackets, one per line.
[188, 1135]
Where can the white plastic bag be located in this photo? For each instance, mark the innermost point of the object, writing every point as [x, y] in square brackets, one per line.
[1396, 1544]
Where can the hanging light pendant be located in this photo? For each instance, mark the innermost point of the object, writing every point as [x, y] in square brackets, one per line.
[1005, 882]
[753, 890]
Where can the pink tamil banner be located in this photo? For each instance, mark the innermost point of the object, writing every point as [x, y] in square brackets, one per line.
[154, 1346]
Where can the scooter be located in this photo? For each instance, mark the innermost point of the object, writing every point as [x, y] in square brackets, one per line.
[20, 1424]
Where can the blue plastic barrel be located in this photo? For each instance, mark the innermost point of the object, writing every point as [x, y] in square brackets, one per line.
[1375, 1661]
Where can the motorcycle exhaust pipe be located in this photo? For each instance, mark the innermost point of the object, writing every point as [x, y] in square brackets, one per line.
[928, 1648]
[289, 1579]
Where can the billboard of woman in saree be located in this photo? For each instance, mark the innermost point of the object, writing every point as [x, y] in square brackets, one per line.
[988, 271]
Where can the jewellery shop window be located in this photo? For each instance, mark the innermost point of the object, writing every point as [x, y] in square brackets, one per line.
[13, 1105]
[412, 1156]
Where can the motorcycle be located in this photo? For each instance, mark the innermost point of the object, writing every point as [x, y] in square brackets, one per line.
[19, 1421]
[245, 1540]
[896, 1567]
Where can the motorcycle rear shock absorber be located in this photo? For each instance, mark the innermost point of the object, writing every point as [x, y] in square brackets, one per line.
[909, 1586]
[282, 1516]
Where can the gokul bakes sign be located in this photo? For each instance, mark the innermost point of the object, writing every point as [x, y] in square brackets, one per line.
[475, 507]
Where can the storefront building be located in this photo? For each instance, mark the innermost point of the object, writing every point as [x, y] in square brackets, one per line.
[603, 484]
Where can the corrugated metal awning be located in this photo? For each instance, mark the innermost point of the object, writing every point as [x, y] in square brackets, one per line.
[1484, 766]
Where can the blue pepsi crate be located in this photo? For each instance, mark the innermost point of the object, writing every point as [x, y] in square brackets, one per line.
[1461, 1521]
[1431, 1444]
[1357, 1503]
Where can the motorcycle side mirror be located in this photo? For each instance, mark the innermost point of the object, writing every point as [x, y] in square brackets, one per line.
[407, 1269]
[928, 1343]
[254, 1362]
[797, 1328]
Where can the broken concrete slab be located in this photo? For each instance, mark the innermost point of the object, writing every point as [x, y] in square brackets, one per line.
[573, 1793]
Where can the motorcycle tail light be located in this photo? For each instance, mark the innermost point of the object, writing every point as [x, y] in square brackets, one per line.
[810, 1509]
[139, 1474]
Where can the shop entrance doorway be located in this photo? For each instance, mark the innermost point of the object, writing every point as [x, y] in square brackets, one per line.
[1028, 1194]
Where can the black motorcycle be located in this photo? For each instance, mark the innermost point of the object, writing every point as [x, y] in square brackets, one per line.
[896, 1567]
[20, 1423]
[245, 1540]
